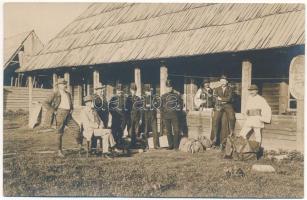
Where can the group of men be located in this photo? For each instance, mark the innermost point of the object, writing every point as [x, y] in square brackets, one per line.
[127, 110]
[133, 112]
[221, 99]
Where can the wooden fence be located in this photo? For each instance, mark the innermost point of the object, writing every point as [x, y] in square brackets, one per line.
[16, 98]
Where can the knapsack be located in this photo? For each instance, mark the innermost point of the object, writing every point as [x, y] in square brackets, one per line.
[240, 148]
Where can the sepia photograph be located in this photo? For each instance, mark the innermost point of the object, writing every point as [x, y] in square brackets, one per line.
[153, 99]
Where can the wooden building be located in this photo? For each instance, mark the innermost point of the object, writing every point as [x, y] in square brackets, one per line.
[17, 50]
[148, 43]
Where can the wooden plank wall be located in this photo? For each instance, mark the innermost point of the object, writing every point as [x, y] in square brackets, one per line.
[280, 134]
[15, 98]
[277, 96]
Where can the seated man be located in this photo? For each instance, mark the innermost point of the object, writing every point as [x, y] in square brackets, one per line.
[92, 124]
[257, 112]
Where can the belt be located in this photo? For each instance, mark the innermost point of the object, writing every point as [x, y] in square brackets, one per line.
[254, 112]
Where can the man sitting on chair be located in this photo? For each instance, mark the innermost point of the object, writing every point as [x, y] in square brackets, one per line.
[93, 126]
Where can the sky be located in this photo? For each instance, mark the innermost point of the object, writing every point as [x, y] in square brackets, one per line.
[47, 19]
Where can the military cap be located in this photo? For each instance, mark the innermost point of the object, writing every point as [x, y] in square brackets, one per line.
[147, 87]
[223, 77]
[88, 98]
[61, 81]
[253, 87]
[133, 86]
[119, 87]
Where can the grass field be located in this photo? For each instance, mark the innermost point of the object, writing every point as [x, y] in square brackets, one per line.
[160, 173]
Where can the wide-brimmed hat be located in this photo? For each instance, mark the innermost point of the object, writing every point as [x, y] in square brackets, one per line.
[253, 87]
[61, 81]
[87, 98]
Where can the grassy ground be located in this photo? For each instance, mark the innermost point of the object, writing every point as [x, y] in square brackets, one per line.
[159, 173]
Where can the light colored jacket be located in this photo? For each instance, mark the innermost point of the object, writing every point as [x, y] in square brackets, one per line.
[89, 121]
[257, 103]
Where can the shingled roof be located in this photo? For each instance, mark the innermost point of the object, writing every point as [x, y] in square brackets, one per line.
[120, 32]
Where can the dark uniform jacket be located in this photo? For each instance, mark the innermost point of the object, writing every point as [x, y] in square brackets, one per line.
[117, 105]
[54, 100]
[100, 103]
[134, 106]
[226, 96]
[171, 103]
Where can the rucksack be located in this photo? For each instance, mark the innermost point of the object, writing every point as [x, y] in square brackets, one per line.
[241, 149]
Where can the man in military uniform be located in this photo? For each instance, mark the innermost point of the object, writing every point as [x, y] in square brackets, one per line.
[101, 104]
[224, 99]
[60, 102]
[133, 109]
[204, 96]
[171, 104]
[117, 110]
[150, 115]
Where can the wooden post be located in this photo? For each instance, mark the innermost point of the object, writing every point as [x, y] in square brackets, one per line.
[54, 81]
[30, 87]
[138, 81]
[246, 82]
[67, 78]
[163, 78]
[300, 125]
[95, 78]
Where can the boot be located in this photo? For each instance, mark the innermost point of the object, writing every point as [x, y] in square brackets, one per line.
[60, 153]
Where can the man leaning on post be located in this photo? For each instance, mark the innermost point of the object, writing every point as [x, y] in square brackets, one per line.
[60, 101]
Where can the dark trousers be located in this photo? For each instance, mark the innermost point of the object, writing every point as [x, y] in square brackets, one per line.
[172, 131]
[217, 118]
[150, 120]
[104, 116]
[118, 126]
[133, 127]
[64, 118]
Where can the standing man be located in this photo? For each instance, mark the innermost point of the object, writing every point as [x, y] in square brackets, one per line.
[223, 104]
[150, 116]
[171, 105]
[117, 110]
[134, 106]
[257, 112]
[101, 104]
[61, 102]
[204, 96]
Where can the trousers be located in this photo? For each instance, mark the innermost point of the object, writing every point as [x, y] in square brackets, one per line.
[64, 118]
[172, 131]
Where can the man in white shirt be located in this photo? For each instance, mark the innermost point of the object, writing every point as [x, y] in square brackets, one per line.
[257, 112]
[61, 102]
